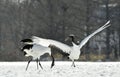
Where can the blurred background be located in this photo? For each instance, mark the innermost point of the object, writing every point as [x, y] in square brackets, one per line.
[56, 19]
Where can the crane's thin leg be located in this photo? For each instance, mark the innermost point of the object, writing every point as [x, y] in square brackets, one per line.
[37, 63]
[73, 64]
[28, 64]
[52, 61]
[40, 65]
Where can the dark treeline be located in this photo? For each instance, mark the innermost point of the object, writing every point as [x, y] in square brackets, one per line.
[56, 19]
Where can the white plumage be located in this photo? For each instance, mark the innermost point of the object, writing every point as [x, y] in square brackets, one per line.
[73, 51]
[84, 41]
[36, 50]
[48, 42]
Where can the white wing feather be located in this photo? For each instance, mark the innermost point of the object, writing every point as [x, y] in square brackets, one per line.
[46, 42]
[84, 41]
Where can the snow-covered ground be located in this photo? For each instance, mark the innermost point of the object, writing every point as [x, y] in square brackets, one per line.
[61, 69]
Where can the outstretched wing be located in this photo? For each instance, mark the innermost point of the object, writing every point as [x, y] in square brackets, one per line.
[48, 42]
[84, 41]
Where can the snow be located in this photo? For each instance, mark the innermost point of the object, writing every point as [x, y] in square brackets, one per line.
[61, 69]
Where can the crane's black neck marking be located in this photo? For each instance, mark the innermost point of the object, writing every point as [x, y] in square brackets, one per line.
[25, 53]
[27, 47]
[73, 39]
